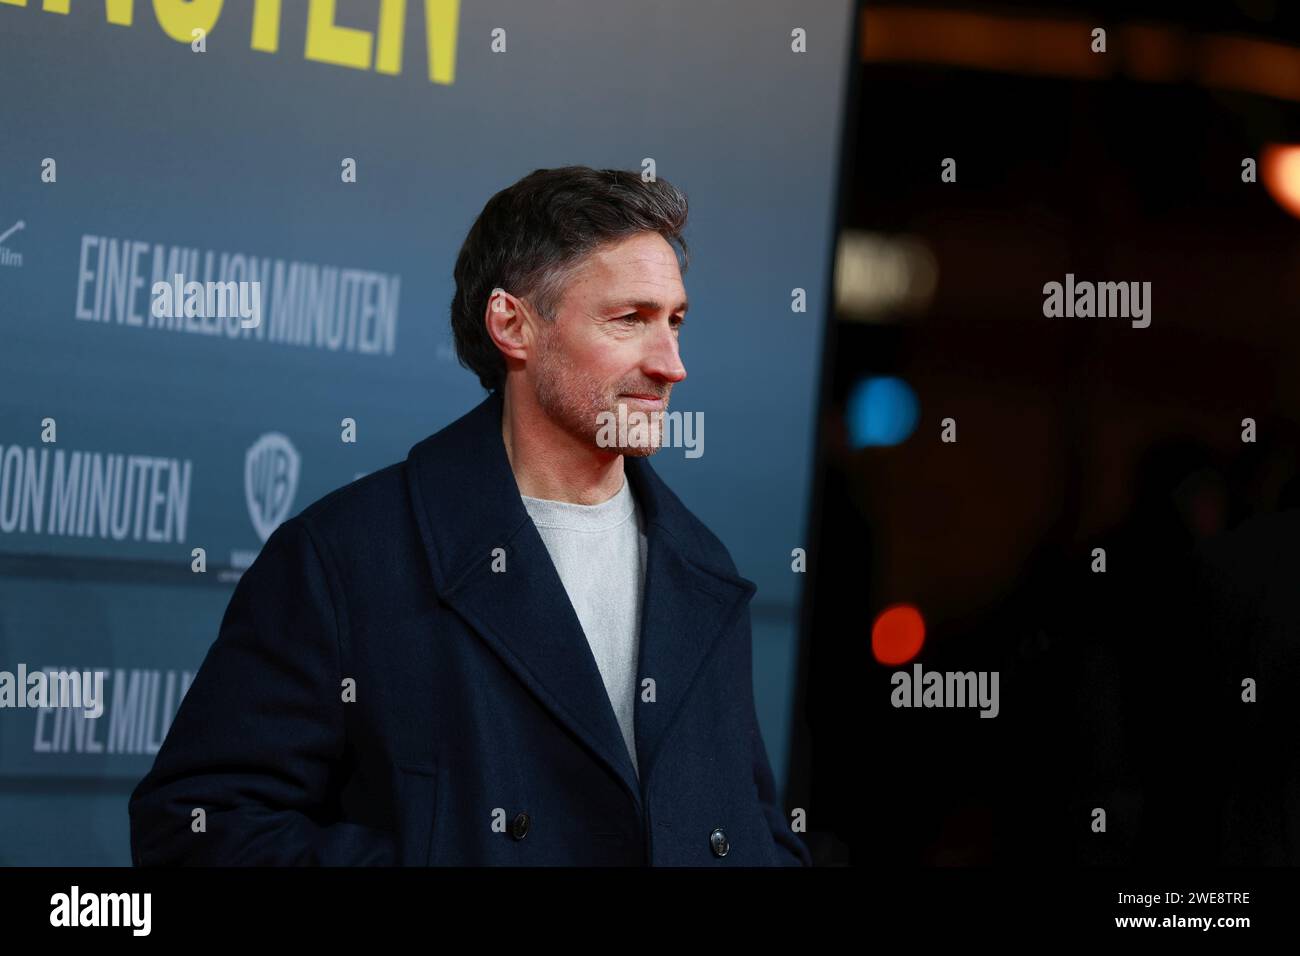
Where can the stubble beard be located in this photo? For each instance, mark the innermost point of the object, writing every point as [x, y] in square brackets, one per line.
[578, 402]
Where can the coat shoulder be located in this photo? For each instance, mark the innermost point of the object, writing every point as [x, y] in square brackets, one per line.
[365, 515]
[360, 501]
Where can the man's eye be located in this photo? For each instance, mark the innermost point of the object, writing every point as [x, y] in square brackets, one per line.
[628, 318]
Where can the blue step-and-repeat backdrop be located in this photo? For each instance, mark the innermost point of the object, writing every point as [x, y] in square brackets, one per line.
[132, 149]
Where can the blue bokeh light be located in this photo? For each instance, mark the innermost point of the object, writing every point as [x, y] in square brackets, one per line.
[881, 410]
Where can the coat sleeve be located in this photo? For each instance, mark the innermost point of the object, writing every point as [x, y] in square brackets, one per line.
[258, 742]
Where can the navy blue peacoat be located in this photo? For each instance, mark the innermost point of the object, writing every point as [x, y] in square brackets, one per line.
[378, 694]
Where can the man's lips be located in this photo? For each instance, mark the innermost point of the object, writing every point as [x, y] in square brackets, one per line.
[653, 399]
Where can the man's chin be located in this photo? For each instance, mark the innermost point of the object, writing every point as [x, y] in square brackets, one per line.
[639, 451]
[628, 451]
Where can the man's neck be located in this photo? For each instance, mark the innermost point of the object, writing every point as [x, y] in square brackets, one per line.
[550, 463]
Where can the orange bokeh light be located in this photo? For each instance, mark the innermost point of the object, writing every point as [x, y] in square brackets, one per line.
[1279, 167]
[898, 634]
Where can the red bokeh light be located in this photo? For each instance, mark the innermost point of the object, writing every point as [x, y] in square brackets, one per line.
[898, 634]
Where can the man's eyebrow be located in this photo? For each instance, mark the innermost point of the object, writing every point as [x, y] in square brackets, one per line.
[646, 305]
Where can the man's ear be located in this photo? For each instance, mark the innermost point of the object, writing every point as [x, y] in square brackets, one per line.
[505, 321]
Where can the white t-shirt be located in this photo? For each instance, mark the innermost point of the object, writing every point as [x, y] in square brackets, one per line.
[600, 552]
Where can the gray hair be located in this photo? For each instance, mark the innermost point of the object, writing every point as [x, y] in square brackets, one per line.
[532, 236]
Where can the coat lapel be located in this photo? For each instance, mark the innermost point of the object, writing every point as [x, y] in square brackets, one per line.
[467, 504]
[689, 602]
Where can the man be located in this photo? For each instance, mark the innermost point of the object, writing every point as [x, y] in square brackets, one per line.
[516, 647]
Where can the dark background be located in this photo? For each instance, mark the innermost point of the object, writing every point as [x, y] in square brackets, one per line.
[1119, 690]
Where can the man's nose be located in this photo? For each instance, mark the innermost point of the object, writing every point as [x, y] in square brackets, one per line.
[664, 361]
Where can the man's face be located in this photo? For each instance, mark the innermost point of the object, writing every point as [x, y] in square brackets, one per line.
[614, 342]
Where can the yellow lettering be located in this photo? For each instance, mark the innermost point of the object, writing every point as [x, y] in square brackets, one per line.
[179, 17]
[266, 25]
[329, 43]
[440, 17]
[115, 11]
[388, 48]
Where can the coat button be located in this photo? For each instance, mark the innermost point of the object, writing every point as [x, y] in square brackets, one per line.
[519, 826]
[718, 841]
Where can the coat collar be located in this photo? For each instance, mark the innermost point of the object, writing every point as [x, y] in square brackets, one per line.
[467, 503]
